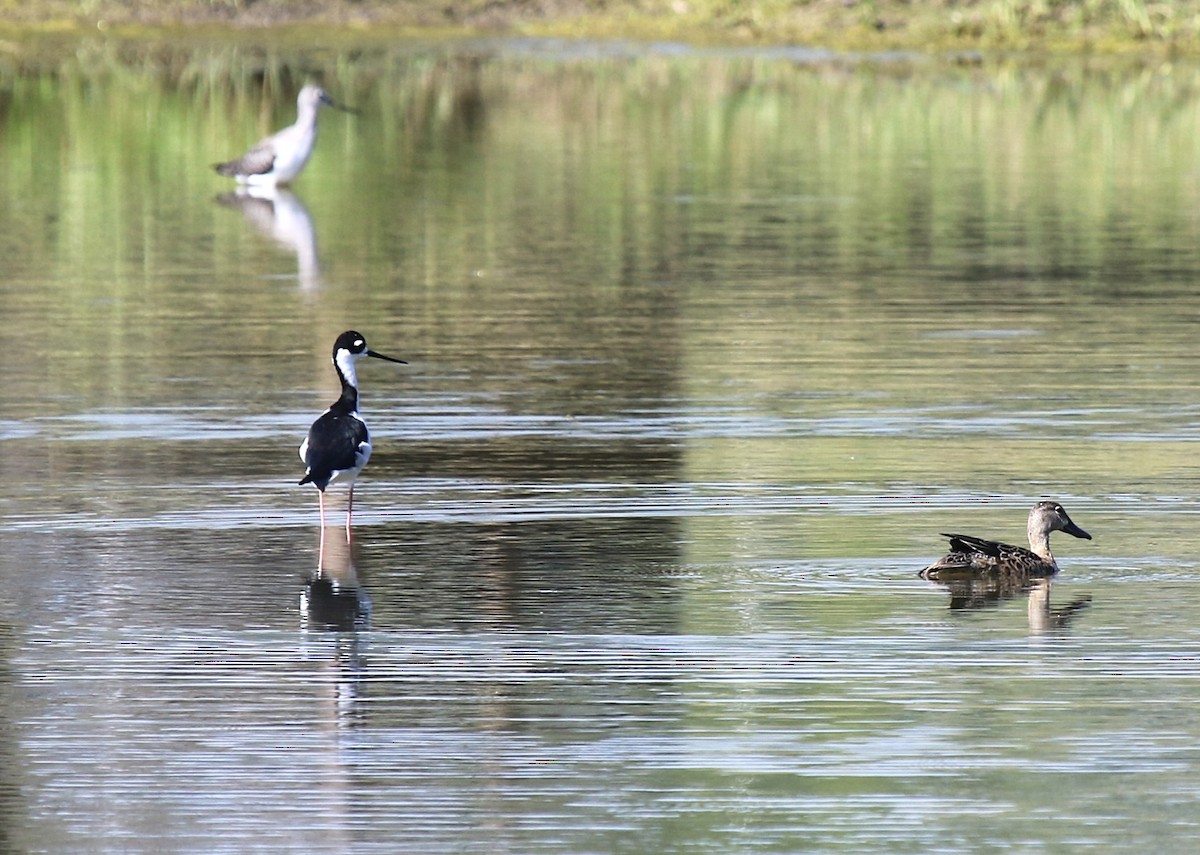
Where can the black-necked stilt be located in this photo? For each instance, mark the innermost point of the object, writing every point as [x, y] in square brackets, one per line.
[338, 445]
[281, 157]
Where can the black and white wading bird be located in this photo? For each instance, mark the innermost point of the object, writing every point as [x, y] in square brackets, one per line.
[338, 445]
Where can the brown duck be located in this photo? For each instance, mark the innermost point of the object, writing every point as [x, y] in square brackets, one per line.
[988, 556]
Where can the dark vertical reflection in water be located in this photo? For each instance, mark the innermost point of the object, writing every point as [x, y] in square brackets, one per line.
[13, 785]
[580, 575]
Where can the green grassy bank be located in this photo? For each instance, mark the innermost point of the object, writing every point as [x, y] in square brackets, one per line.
[1104, 26]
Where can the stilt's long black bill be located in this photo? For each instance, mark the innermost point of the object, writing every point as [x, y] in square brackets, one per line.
[388, 358]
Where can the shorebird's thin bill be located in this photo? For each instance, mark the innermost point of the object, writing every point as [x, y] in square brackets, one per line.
[388, 358]
[329, 102]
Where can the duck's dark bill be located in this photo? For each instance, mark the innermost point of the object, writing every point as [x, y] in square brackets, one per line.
[1077, 531]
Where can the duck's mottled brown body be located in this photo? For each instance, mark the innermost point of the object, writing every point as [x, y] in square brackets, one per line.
[974, 554]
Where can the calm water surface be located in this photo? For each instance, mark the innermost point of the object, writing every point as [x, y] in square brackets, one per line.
[705, 350]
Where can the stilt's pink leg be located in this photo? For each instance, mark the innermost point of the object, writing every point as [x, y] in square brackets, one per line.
[321, 548]
[349, 511]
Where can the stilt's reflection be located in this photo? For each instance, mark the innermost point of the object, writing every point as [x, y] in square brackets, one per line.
[333, 609]
[332, 597]
[975, 590]
[334, 603]
[279, 214]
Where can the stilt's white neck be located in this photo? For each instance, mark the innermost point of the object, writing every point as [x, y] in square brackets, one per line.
[344, 363]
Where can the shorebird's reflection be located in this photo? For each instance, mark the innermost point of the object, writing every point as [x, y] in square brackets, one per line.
[333, 597]
[279, 214]
[980, 590]
[333, 608]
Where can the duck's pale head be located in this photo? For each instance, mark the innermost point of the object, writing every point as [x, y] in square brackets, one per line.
[1050, 516]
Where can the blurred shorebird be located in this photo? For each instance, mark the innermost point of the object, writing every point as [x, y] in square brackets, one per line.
[338, 444]
[280, 214]
[973, 554]
[281, 157]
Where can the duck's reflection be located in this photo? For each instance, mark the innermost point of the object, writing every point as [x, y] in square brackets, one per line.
[980, 590]
[280, 214]
[1042, 617]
